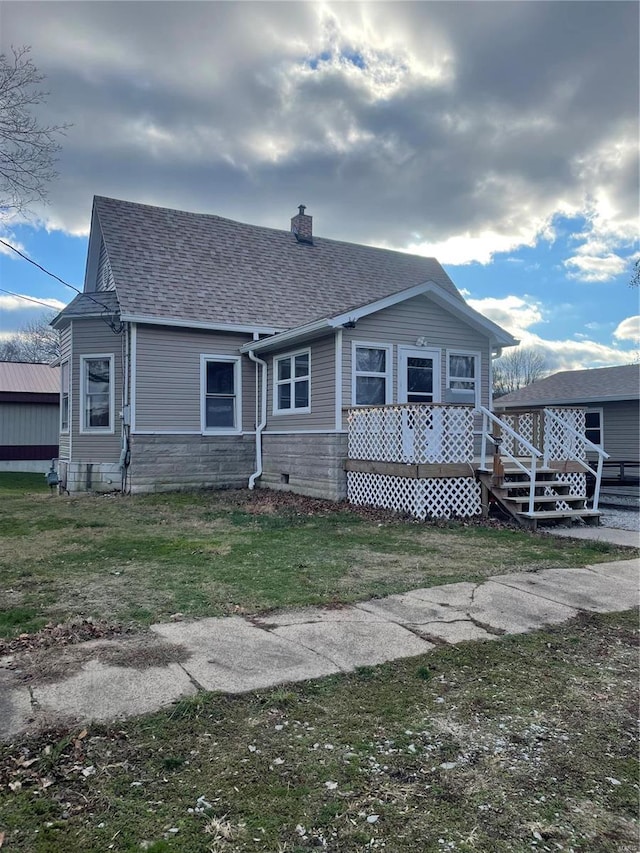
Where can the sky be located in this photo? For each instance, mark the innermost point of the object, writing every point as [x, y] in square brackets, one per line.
[499, 137]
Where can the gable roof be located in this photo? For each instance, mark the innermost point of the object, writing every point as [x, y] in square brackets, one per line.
[498, 336]
[19, 377]
[595, 385]
[193, 268]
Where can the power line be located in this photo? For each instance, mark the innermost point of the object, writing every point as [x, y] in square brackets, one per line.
[106, 308]
[28, 298]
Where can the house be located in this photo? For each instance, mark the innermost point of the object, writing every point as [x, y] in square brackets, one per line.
[210, 353]
[610, 397]
[205, 352]
[29, 416]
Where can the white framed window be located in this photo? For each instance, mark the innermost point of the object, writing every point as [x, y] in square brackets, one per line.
[371, 373]
[220, 394]
[97, 393]
[463, 377]
[594, 422]
[292, 383]
[64, 396]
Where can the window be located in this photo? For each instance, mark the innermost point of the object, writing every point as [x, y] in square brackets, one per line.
[463, 377]
[292, 385]
[64, 396]
[97, 393]
[371, 374]
[593, 426]
[220, 396]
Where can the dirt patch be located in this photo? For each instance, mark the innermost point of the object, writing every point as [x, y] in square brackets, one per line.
[43, 665]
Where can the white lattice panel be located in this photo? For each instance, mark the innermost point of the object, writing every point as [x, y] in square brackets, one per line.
[412, 434]
[559, 442]
[526, 425]
[437, 497]
[577, 488]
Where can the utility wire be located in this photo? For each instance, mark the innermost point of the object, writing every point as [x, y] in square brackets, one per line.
[112, 325]
[28, 298]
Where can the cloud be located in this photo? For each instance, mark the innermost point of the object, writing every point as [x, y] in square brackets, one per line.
[513, 313]
[628, 330]
[433, 126]
[519, 315]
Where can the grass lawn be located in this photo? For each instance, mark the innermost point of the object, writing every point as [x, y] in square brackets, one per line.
[140, 559]
[525, 743]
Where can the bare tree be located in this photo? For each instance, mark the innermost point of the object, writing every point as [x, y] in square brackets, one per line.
[635, 278]
[34, 342]
[519, 367]
[28, 150]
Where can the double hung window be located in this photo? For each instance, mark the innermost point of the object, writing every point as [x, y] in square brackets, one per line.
[64, 396]
[220, 393]
[463, 375]
[593, 424]
[371, 376]
[292, 383]
[97, 393]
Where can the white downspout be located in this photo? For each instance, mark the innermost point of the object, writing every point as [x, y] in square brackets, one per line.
[263, 419]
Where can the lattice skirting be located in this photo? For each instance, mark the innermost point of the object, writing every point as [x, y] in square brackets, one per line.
[437, 497]
[577, 487]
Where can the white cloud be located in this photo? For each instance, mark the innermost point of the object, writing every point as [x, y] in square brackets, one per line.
[513, 313]
[629, 329]
[429, 126]
[518, 315]
[23, 302]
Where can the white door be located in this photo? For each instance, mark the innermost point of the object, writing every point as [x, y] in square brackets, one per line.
[419, 382]
[418, 375]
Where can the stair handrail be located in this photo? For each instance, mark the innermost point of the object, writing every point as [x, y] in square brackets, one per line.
[533, 451]
[589, 445]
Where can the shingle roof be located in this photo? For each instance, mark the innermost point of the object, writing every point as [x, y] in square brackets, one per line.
[578, 386]
[93, 305]
[191, 266]
[27, 378]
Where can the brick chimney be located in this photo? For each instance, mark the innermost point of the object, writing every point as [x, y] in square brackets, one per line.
[301, 226]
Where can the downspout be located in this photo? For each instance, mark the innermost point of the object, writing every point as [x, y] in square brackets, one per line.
[263, 419]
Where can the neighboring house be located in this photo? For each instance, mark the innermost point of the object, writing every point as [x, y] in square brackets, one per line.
[207, 352]
[609, 395]
[29, 416]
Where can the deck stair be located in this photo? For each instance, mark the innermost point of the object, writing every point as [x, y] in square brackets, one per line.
[553, 501]
[538, 469]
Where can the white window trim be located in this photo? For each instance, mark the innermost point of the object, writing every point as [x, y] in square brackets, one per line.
[237, 382]
[590, 410]
[302, 410]
[68, 364]
[407, 352]
[477, 380]
[388, 374]
[84, 429]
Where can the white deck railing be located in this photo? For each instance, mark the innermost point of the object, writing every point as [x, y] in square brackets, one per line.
[518, 441]
[412, 433]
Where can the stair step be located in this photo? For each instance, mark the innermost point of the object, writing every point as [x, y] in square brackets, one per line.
[539, 499]
[570, 513]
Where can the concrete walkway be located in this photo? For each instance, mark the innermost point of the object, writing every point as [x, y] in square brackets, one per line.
[235, 654]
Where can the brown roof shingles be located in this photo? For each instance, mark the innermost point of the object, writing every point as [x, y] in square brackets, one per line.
[578, 386]
[200, 267]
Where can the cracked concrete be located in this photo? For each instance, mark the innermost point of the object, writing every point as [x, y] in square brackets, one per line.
[234, 654]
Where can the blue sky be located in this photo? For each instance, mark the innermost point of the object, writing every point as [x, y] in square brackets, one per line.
[499, 137]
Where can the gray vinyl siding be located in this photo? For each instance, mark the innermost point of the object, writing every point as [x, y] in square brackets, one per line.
[323, 395]
[402, 325]
[94, 336]
[104, 276]
[621, 429]
[64, 451]
[167, 380]
[28, 424]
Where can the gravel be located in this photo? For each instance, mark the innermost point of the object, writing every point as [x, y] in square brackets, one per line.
[622, 519]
